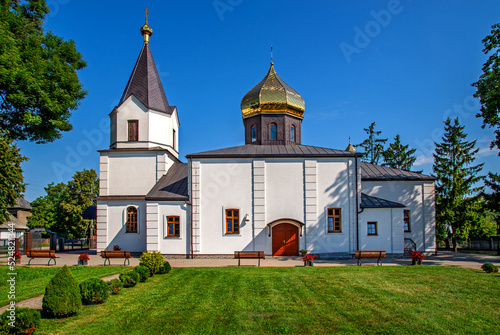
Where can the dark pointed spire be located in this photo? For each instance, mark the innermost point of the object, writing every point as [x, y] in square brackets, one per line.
[145, 83]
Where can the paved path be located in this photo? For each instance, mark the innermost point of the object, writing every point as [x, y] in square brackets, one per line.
[471, 261]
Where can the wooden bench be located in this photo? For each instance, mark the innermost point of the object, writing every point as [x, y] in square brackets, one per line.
[379, 254]
[107, 254]
[249, 254]
[51, 254]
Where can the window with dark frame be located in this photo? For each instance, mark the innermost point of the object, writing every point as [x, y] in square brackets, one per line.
[232, 221]
[273, 131]
[174, 140]
[253, 134]
[406, 220]
[133, 130]
[173, 226]
[372, 228]
[334, 220]
[292, 133]
[131, 220]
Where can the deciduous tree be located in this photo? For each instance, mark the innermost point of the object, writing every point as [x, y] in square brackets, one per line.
[62, 208]
[11, 176]
[488, 85]
[39, 86]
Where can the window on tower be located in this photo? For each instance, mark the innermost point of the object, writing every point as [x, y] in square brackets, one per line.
[254, 133]
[133, 130]
[292, 133]
[174, 138]
[274, 131]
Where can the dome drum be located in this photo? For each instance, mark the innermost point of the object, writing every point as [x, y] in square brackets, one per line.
[261, 126]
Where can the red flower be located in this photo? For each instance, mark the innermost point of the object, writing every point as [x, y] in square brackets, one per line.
[417, 255]
[116, 247]
[84, 257]
[308, 258]
[17, 255]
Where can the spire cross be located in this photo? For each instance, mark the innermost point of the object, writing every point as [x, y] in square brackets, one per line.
[146, 10]
[272, 53]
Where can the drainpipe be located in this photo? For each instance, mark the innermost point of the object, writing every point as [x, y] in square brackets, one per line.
[357, 203]
[191, 204]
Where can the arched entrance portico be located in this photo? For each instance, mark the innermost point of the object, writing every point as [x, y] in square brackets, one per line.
[285, 237]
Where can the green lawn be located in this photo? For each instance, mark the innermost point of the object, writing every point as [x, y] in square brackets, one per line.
[350, 300]
[31, 281]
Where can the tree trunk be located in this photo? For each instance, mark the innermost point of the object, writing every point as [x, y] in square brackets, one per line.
[447, 242]
[455, 246]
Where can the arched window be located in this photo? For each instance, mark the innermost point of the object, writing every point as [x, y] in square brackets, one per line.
[292, 133]
[131, 219]
[273, 131]
[254, 133]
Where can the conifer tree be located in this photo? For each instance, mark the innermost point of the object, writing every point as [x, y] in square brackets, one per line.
[456, 181]
[373, 146]
[399, 156]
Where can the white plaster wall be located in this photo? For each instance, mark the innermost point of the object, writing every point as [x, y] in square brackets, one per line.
[334, 190]
[131, 109]
[173, 245]
[224, 184]
[131, 173]
[116, 226]
[389, 230]
[410, 194]
[160, 129]
[284, 189]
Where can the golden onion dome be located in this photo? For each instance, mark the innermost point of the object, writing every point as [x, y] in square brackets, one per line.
[272, 96]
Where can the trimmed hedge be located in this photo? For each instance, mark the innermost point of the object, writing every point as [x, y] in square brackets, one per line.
[165, 268]
[62, 295]
[143, 272]
[489, 268]
[115, 286]
[26, 321]
[94, 291]
[153, 260]
[129, 279]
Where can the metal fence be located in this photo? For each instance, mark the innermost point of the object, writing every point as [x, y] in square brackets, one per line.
[489, 244]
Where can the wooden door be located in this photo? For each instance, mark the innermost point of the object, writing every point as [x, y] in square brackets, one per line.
[285, 240]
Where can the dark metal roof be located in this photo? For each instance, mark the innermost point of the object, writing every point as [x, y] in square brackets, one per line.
[252, 150]
[13, 221]
[173, 186]
[21, 203]
[377, 172]
[368, 201]
[145, 84]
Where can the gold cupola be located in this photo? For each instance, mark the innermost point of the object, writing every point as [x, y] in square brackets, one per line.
[272, 96]
[146, 30]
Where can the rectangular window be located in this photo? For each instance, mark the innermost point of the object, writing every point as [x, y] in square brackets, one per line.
[406, 219]
[254, 133]
[133, 130]
[292, 133]
[334, 220]
[174, 140]
[372, 228]
[173, 228]
[274, 131]
[131, 220]
[232, 221]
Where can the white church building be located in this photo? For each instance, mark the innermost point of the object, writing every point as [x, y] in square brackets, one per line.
[272, 194]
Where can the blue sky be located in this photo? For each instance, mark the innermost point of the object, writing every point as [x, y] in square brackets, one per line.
[407, 65]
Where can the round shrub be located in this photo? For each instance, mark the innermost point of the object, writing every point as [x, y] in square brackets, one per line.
[94, 291]
[489, 268]
[152, 260]
[27, 319]
[127, 279]
[62, 295]
[115, 286]
[165, 268]
[143, 272]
